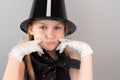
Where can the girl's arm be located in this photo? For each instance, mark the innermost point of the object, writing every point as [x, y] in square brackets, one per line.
[86, 71]
[14, 70]
[74, 72]
[84, 51]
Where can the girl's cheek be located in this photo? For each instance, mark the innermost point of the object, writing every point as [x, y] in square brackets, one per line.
[38, 37]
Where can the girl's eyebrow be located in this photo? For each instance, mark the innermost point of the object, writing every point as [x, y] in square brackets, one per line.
[58, 24]
[42, 23]
[47, 23]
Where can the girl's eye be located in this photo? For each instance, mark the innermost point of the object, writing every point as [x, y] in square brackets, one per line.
[43, 27]
[57, 27]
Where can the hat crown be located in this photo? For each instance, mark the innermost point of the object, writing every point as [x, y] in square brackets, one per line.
[48, 8]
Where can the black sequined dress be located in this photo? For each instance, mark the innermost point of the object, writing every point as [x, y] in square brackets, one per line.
[45, 68]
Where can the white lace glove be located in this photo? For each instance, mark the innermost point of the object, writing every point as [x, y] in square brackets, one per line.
[81, 48]
[19, 51]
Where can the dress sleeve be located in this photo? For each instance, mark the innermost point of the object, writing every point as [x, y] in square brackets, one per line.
[86, 49]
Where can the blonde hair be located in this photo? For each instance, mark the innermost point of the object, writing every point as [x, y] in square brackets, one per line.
[29, 73]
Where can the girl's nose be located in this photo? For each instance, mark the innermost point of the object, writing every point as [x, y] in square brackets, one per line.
[50, 34]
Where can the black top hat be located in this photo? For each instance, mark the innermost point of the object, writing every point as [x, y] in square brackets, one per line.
[52, 9]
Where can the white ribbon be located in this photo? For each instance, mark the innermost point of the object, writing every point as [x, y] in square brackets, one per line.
[48, 8]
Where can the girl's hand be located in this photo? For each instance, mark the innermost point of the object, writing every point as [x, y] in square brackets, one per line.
[24, 48]
[80, 48]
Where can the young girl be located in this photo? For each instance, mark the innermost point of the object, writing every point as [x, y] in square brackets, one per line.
[48, 54]
[44, 61]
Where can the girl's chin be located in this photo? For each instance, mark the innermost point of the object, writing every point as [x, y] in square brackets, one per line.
[49, 48]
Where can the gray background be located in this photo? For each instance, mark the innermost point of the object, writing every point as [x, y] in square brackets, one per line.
[98, 24]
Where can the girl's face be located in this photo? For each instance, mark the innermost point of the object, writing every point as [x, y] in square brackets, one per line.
[50, 31]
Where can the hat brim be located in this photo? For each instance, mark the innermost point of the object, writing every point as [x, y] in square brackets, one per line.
[71, 25]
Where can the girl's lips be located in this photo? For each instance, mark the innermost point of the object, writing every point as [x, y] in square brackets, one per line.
[50, 43]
